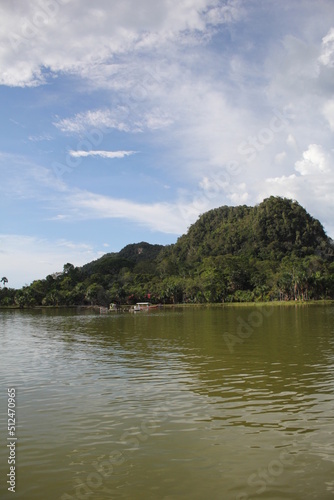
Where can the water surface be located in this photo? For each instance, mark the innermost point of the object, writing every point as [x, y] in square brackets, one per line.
[198, 403]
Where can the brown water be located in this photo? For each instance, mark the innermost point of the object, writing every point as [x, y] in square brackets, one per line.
[200, 403]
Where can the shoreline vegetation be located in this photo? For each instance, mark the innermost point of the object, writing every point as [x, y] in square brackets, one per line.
[273, 253]
[221, 305]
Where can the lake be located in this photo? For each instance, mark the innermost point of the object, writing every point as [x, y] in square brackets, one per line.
[196, 403]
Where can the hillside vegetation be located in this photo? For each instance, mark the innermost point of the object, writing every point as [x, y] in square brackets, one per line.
[273, 251]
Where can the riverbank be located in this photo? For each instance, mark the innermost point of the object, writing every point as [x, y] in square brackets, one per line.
[277, 303]
[125, 307]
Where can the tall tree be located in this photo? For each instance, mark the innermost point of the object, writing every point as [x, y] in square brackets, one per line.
[4, 280]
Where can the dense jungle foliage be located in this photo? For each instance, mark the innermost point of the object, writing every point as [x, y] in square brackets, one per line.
[273, 251]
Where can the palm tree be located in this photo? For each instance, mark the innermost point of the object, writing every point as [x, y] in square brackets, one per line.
[4, 280]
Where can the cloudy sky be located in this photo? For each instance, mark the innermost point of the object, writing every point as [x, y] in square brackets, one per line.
[123, 120]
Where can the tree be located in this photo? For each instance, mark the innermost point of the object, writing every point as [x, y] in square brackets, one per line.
[24, 298]
[68, 268]
[96, 295]
[4, 280]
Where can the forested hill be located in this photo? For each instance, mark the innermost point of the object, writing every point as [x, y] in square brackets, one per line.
[272, 230]
[273, 251]
[129, 256]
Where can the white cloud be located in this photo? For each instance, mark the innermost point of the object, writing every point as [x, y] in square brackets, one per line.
[27, 179]
[38, 37]
[163, 72]
[125, 117]
[327, 53]
[74, 246]
[39, 138]
[328, 111]
[26, 258]
[231, 11]
[239, 199]
[162, 217]
[312, 186]
[281, 180]
[315, 161]
[30, 181]
[98, 119]
[280, 157]
[103, 154]
[291, 141]
[209, 107]
[59, 217]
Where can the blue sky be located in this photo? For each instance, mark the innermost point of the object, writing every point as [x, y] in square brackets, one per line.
[123, 120]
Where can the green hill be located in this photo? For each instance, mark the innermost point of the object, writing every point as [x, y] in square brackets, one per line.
[273, 251]
[275, 228]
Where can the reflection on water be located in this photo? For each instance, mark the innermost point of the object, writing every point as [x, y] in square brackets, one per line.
[159, 406]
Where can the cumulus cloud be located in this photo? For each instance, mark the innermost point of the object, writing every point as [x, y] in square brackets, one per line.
[312, 184]
[315, 161]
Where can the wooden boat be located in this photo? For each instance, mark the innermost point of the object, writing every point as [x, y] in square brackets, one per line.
[145, 306]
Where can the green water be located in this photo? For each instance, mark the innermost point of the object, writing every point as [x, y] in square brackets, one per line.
[198, 403]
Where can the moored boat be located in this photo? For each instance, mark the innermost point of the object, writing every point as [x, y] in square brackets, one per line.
[145, 306]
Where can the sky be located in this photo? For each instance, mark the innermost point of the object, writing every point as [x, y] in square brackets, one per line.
[124, 120]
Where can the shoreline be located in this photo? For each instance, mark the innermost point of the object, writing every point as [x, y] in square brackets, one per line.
[276, 303]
